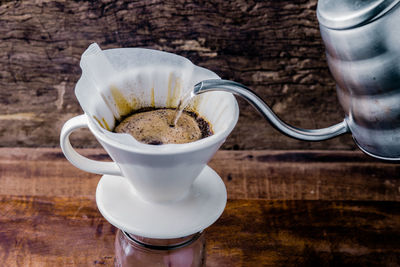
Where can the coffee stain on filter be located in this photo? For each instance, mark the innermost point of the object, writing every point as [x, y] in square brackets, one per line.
[177, 91]
[174, 93]
[99, 121]
[153, 103]
[124, 106]
[106, 124]
[103, 125]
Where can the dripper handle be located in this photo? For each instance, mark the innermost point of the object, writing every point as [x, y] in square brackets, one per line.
[77, 159]
[265, 110]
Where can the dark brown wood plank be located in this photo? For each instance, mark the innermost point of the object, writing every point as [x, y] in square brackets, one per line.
[274, 47]
[295, 175]
[306, 233]
[58, 231]
[311, 175]
[54, 232]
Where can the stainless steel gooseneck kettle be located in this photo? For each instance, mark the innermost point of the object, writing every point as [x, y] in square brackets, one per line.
[362, 41]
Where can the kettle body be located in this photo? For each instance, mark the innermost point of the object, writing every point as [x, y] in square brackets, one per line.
[363, 54]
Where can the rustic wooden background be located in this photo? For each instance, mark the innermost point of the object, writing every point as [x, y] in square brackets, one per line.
[274, 47]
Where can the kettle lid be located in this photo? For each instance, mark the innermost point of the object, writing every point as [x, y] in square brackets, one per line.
[344, 14]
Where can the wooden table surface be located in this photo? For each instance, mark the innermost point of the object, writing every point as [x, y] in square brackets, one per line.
[285, 208]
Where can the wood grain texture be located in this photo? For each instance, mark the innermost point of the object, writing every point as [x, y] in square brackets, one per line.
[305, 233]
[275, 175]
[43, 231]
[274, 47]
[285, 208]
[54, 231]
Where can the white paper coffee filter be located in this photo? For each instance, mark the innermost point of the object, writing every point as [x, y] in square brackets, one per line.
[116, 82]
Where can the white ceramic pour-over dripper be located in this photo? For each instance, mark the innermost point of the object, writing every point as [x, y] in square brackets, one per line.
[116, 81]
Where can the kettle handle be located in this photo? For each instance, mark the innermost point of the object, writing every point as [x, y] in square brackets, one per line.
[265, 110]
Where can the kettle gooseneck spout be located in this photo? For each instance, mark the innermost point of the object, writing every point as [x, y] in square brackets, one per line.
[265, 110]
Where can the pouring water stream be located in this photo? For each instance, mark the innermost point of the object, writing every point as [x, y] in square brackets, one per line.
[183, 102]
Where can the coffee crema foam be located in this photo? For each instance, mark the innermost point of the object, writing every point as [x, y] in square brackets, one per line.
[155, 127]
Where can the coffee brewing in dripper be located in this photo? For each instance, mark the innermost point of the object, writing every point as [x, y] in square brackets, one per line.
[132, 79]
[158, 126]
